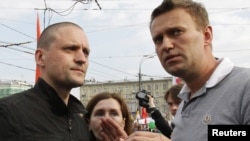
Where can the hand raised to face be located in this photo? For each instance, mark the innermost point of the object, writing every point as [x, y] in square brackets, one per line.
[112, 131]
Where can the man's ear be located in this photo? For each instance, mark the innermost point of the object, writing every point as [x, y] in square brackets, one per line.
[208, 35]
[39, 57]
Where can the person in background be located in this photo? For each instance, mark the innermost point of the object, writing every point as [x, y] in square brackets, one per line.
[107, 105]
[110, 130]
[48, 112]
[160, 122]
[172, 99]
[173, 102]
[183, 37]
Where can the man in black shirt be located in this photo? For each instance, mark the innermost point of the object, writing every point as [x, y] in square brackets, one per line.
[48, 112]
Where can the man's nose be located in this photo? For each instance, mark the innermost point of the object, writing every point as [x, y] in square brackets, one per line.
[80, 57]
[167, 43]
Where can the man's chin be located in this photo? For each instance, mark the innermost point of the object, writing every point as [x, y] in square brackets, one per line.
[79, 84]
[76, 84]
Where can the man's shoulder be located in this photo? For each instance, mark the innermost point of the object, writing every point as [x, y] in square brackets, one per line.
[241, 72]
[241, 69]
[15, 99]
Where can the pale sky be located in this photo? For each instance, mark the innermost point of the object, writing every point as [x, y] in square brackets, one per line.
[118, 33]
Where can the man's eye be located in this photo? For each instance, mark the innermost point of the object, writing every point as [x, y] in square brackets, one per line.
[86, 52]
[176, 32]
[70, 48]
[158, 39]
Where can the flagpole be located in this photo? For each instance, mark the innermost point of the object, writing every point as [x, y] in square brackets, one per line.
[38, 32]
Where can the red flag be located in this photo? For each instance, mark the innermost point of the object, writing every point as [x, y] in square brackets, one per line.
[144, 114]
[38, 32]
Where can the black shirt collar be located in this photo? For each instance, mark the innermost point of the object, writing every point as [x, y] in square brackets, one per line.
[55, 102]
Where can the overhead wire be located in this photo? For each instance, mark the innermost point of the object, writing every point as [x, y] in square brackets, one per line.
[17, 66]
[16, 30]
[70, 10]
[114, 69]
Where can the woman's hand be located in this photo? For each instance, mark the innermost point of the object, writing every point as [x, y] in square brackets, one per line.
[112, 131]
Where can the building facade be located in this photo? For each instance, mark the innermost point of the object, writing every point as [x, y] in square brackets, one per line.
[128, 90]
[9, 87]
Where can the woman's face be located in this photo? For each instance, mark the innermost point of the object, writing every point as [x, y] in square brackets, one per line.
[106, 108]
